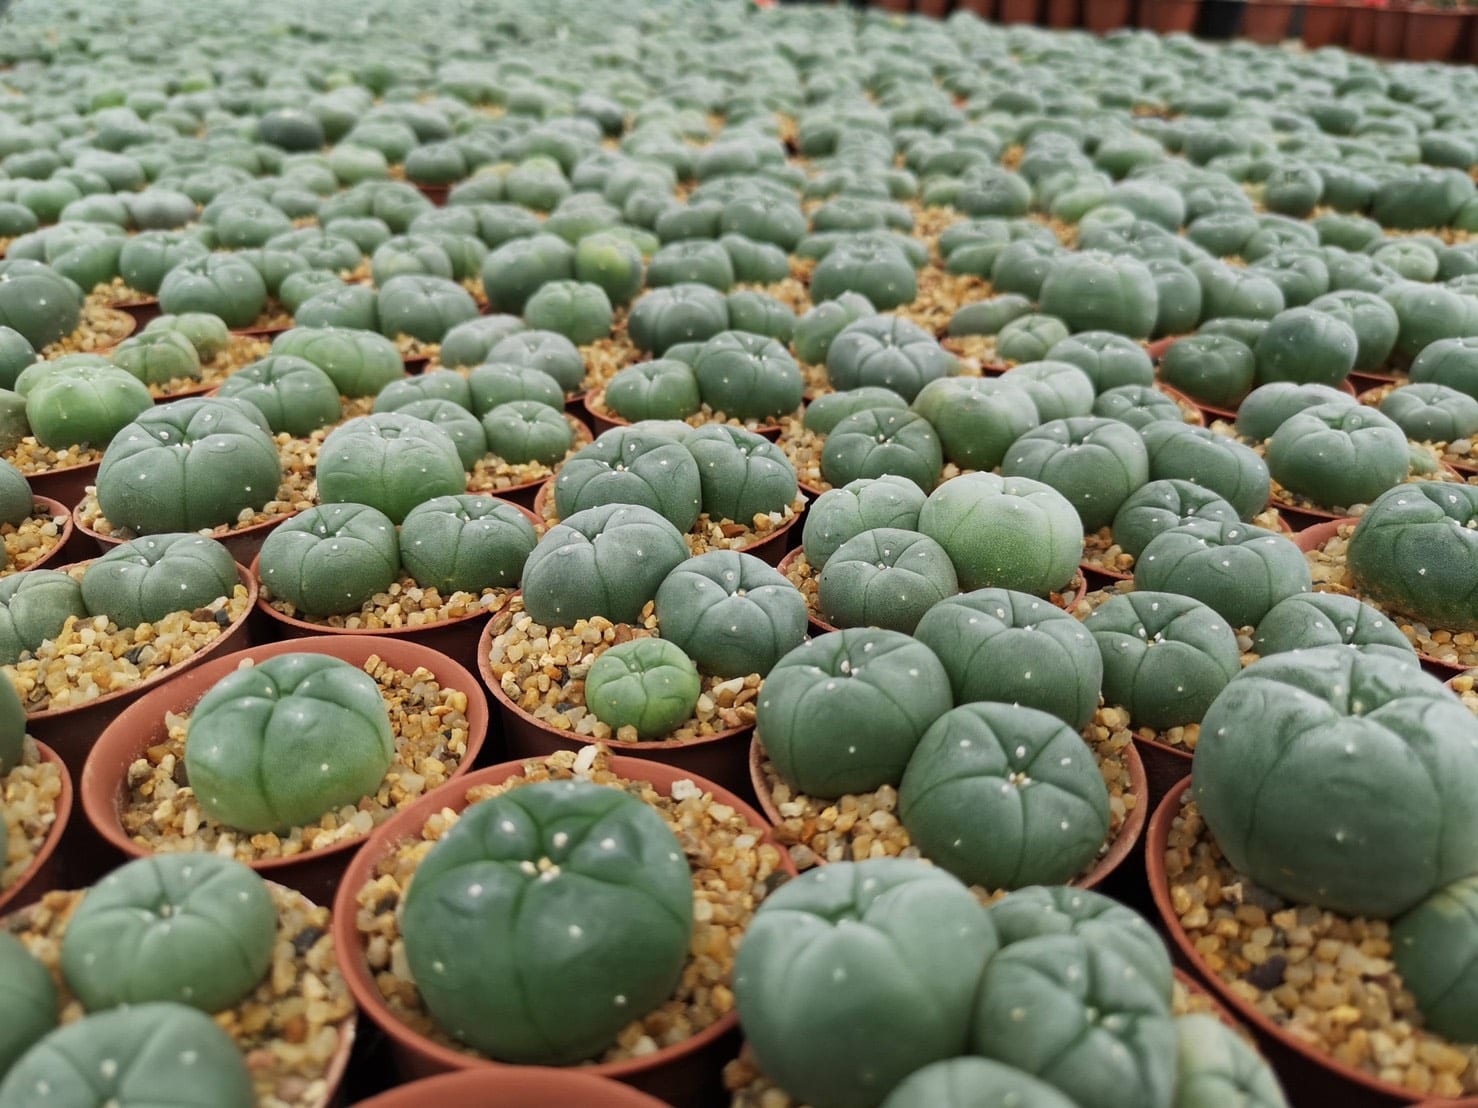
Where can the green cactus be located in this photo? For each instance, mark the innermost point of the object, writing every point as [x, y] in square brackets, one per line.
[515, 270]
[633, 465]
[1095, 463]
[972, 1083]
[439, 384]
[875, 442]
[468, 433]
[1329, 619]
[885, 578]
[685, 312]
[879, 929]
[1238, 570]
[294, 396]
[1093, 291]
[1163, 505]
[660, 389]
[1373, 320]
[1428, 314]
[494, 385]
[1214, 1066]
[988, 317]
[1233, 471]
[1138, 406]
[1338, 455]
[1214, 369]
[1452, 362]
[37, 302]
[158, 358]
[280, 744]
[748, 376]
[27, 997]
[887, 351]
[1014, 648]
[646, 684]
[879, 271]
[330, 559]
[818, 328]
[543, 350]
[145, 580]
[197, 929]
[1432, 413]
[964, 802]
[579, 311]
[389, 461]
[741, 474]
[12, 727]
[423, 306]
[34, 607]
[692, 261]
[976, 418]
[612, 263]
[340, 308]
[605, 865]
[1307, 347]
[1110, 360]
[189, 465]
[829, 409]
[359, 362]
[1368, 831]
[156, 1053]
[84, 405]
[606, 561]
[844, 712]
[1433, 947]
[1060, 390]
[15, 355]
[17, 504]
[465, 543]
[731, 613]
[839, 515]
[1414, 551]
[1267, 408]
[468, 344]
[221, 284]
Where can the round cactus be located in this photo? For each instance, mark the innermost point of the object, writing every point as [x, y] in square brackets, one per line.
[280, 744]
[1434, 947]
[84, 406]
[972, 1083]
[602, 862]
[1110, 360]
[1238, 570]
[748, 376]
[440, 384]
[1415, 550]
[1267, 408]
[989, 316]
[1338, 456]
[17, 503]
[1137, 406]
[1092, 291]
[159, 929]
[838, 515]
[843, 712]
[15, 355]
[388, 461]
[632, 465]
[1013, 648]
[516, 269]
[579, 311]
[818, 328]
[692, 261]
[1329, 619]
[826, 411]
[543, 350]
[1432, 413]
[1095, 463]
[34, 607]
[157, 1053]
[976, 419]
[1214, 369]
[491, 386]
[1162, 505]
[524, 431]
[1340, 779]
[1060, 390]
[873, 927]
[731, 613]
[661, 389]
[27, 997]
[221, 284]
[887, 351]
[158, 358]
[611, 263]
[465, 543]
[1027, 338]
[685, 312]
[649, 685]
[879, 271]
[12, 727]
[879, 441]
[965, 803]
[423, 307]
[145, 580]
[1165, 657]
[330, 559]
[340, 307]
[1452, 362]
[294, 396]
[359, 362]
[190, 465]
[1233, 471]
[1373, 320]
[741, 474]
[604, 562]
[468, 344]
[1213, 1063]
[1307, 347]
[37, 302]
[885, 578]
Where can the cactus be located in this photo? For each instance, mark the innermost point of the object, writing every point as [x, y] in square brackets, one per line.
[731, 613]
[1060, 390]
[15, 355]
[423, 306]
[875, 442]
[879, 928]
[1238, 570]
[1163, 505]
[1415, 550]
[17, 504]
[465, 543]
[221, 284]
[468, 344]
[1214, 1063]
[1215, 369]
[611, 263]
[27, 997]
[878, 271]
[197, 929]
[600, 861]
[1027, 339]
[649, 685]
[12, 727]
[1433, 946]
[972, 1083]
[389, 461]
[189, 465]
[692, 261]
[359, 362]
[748, 376]
[759, 313]
[1095, 463]
[885, 578]
[470, 438]
[1373, 320]
[741, 474]
[606, 561]
[493, 385]
[37, 302]
[1329, 619]
[887, 351]
[988, 317]
[440, 384]
[207, 333]
[1307, 347]
[145, 580]
[841, 514]
[84, 406]
[976, 419]
[1432, 413]
[515, 270]
[661, 389]
[1371, 831]
[1110, 360]
[963, 802]
[1267, 408]
[632, 465]
[34, 607]
[827, 410]
[686, 312]
[340, 308]
[330, 559]
[1337, 455]
[816, 330]
[156, 1053]
[1165, 657]
[1452, 362]
[294, 396]
[1137, 406]
[1233, 471]
[158, 358]
[1014, 648]
[543, 350]
[1428, 314]
[580, 312]
[280, 744]
[1093, 291]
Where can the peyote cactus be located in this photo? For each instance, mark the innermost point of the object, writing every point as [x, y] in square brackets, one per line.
[878, 441]
[12, 727]
[1238, 570]
[1269, 407]
[887, 351]
[579, 311]
[1226, 467]
[468, 344]
[423, 307]
[389, 461]
[294, 396]
[989, 316]
[219, 284]
[197, 929]
[649, 685]
[1329, 619]
[34, 607]
[470, 438]
[742, 475]
[885, 578]
[516, 269]
[1138, 406]
[818, 328]
[145, 580]
[1373, 320]
[1165, 657]
[1091, 291]
[1015, 648]
[330, 559]
[17, 503]
[632, 465]
[1110, 360]
[493, 385]
[37, 302]
[543, 350]
[844, 712]
[1214, 1064]
[826, 411]
[1338, 455]
[1340, 779]
[876, 270]
[340, 308]
[748, 376]
[1214, 369]
[359, 362]
[189, 465]
[1307, 347]
[685, 312]
[465, 543]
[598, 860]
[731, 613]
[1433, 946]
[660, 389]
[838, 515]
[1415, 551]
[977, 419]
[27, 997]
[1452, 362]
[84, 406]
[965, 803]
[1095, 463]
[1060, 390]
[279, 744]
[1432, 413]
[439, 384]
[606, 561]
[691, 261]
[519, 432]
[970, 1082]
[890, 931]
[15, 355]
[157, 1053]
[158, 358]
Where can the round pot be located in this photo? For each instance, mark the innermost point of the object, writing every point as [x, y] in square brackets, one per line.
[243, 542]
[144, 310]
[1017, 11]
[40, 877]
[416, 363]
[185, 394]
[262, 332]
[1063, 14]
[1324, 25]
[316, 873]
[679, 1074]
[71, 731]
[1432, 34]
[437, 194]
[526, 495]
[1168, 17]
[935, 9]
[1309, 1075]
[1103, 16]
[719, 757]
[67, 485]
[1267, 21]
[1389, 36]
[602, 419]
[1122, 846]
[1156, 350]
[514, 1087]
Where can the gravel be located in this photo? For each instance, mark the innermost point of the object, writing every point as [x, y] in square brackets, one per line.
[27, 542]
[709, 534]
[29, 792]
[491, 474]
[101, 328]
[404, 604]
[595, 403]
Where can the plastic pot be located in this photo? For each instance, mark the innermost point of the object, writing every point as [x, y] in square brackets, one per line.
[40, 877]
[242, 542]
[65, 548]
[1103, 16]
[1018, 11]
[525, 495]
[1324, 25]
[684, 1074]
[315, 874]
[1433, 34]
[1167, 17]
[1267, 21]
[1063, 14]
[67, 485]
[514, 1087]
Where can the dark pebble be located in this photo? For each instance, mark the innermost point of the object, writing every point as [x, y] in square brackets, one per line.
[386, 903]
[222, 617]
[1269, 975]
[303, 941]
[134, 656]
[775, 880]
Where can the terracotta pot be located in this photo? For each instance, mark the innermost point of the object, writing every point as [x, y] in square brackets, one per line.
[1389, 39]
[1324, 25]
[1365, 381]
[40, 877]
[144, 310]
[1359, 28]
[525, 495]
[186, 394]
[1168, 17]
[1122, 846]
[1018, 11]
[71, 731]
[1432, 34]
[893, 5]
[416, 364]
[935, 9]
[1157, 349]
[1103, 16]
[1211, 412]
[437, 194]
[1063, 14]
[721, 757]
[603, 419]
[261, 332]
[514, 1087]
[314, 874]
[243, 543]
[1267, 21]
[684, 1074]
[1309, 1075]
[983, 8]
[67, 485]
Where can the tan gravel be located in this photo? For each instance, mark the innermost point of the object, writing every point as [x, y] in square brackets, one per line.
[29, 792]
